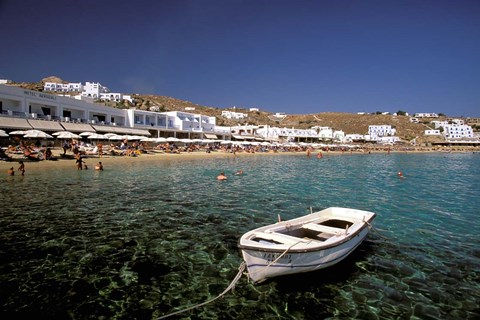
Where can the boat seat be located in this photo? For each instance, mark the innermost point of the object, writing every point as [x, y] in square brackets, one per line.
[285, 239]
[323, 229]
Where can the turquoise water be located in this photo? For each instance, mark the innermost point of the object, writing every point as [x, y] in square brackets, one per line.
[144, 239]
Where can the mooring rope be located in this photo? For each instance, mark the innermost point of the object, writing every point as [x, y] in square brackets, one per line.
[376, 231]
[230, 287]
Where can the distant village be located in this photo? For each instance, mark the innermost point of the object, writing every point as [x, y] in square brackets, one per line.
[80, 111]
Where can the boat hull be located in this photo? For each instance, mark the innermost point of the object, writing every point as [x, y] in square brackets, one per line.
[268, 261]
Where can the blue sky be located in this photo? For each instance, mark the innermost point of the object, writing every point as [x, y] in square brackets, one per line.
[280, 56]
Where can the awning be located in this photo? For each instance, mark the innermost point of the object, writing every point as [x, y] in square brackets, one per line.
[46, 125]
[14, 123]
[121, 130]
[108, 129]
[210, 136]
[77, 127]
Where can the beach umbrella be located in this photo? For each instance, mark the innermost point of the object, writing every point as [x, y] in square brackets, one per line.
[117, 137]
[172, 139]
[37, 135]
[97, 136]
[58, 133]
[86, 134]
[18, 132]
[68, 135]
[160, 139]
[3, 133]
[147, 139]
[226, 142]
[110, 134]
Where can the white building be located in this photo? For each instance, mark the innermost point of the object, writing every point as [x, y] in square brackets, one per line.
[27, 109]
[233, 115]
[94, 90]
[432, 132]
[63, 87]
[455, 131]
[439, 124]
[426, 115]
[355, 137]
[375, 132]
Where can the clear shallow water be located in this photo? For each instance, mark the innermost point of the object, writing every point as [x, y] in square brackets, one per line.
[141, 240]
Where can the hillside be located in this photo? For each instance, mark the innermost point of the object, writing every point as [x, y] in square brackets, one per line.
[347, 122]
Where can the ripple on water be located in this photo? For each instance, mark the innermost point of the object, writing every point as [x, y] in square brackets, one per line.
[146, 239]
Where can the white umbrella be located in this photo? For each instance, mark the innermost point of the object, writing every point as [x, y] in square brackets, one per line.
[147, 139]
[110, 134]
[68, 135]
[117, 137]
[18, 132]
[226, 142]
[37, 134]
[172, 139]
[160, 139]
[97, 136]
[58, 133]
[86, 133]
[3, 133]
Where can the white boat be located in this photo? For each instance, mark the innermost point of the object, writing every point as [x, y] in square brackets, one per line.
[312, 242]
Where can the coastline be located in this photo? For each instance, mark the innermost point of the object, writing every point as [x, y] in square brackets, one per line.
[107, 160]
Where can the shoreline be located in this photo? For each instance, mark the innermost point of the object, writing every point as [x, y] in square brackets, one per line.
[91, 160]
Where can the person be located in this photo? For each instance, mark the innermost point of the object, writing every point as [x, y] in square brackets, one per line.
[400, 174]
[239, 172]
[11, 172]
[48, 154]
[65, 146]
[222, 176]
[319, 155]
[100, 149]
[99, 166]
[21, 168]
[79, 162]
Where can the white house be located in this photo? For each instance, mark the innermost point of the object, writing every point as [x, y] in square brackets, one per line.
[426, 115]
[432, 132]
[377, 131]
[455, 131]
[63, 87]
[233, 115]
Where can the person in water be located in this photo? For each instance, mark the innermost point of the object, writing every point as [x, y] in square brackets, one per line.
[99, 166]
[222, 176]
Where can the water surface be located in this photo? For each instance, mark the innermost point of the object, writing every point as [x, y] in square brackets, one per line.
[143, 239]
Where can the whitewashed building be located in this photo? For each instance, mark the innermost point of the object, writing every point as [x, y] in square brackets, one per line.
[426, 115]
[233, 115]
[455, 131]
[377, 131]
[432, 132]
[63, 87]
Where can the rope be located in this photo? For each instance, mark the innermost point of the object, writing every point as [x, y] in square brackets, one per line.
[230, 287]
[376, 231]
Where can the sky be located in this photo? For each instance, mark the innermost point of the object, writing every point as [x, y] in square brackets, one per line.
[297, 57]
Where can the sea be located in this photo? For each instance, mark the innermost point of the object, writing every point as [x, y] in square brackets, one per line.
[141, 240]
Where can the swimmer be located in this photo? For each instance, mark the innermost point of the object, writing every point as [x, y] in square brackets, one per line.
[99, 166]
[400, 174]
[239, 172]
[222, 176]
[11, 172]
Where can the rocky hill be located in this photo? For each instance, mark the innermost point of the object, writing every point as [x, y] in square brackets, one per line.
[347, 122]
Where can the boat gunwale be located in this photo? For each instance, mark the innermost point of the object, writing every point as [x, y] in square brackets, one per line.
[318, 246]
